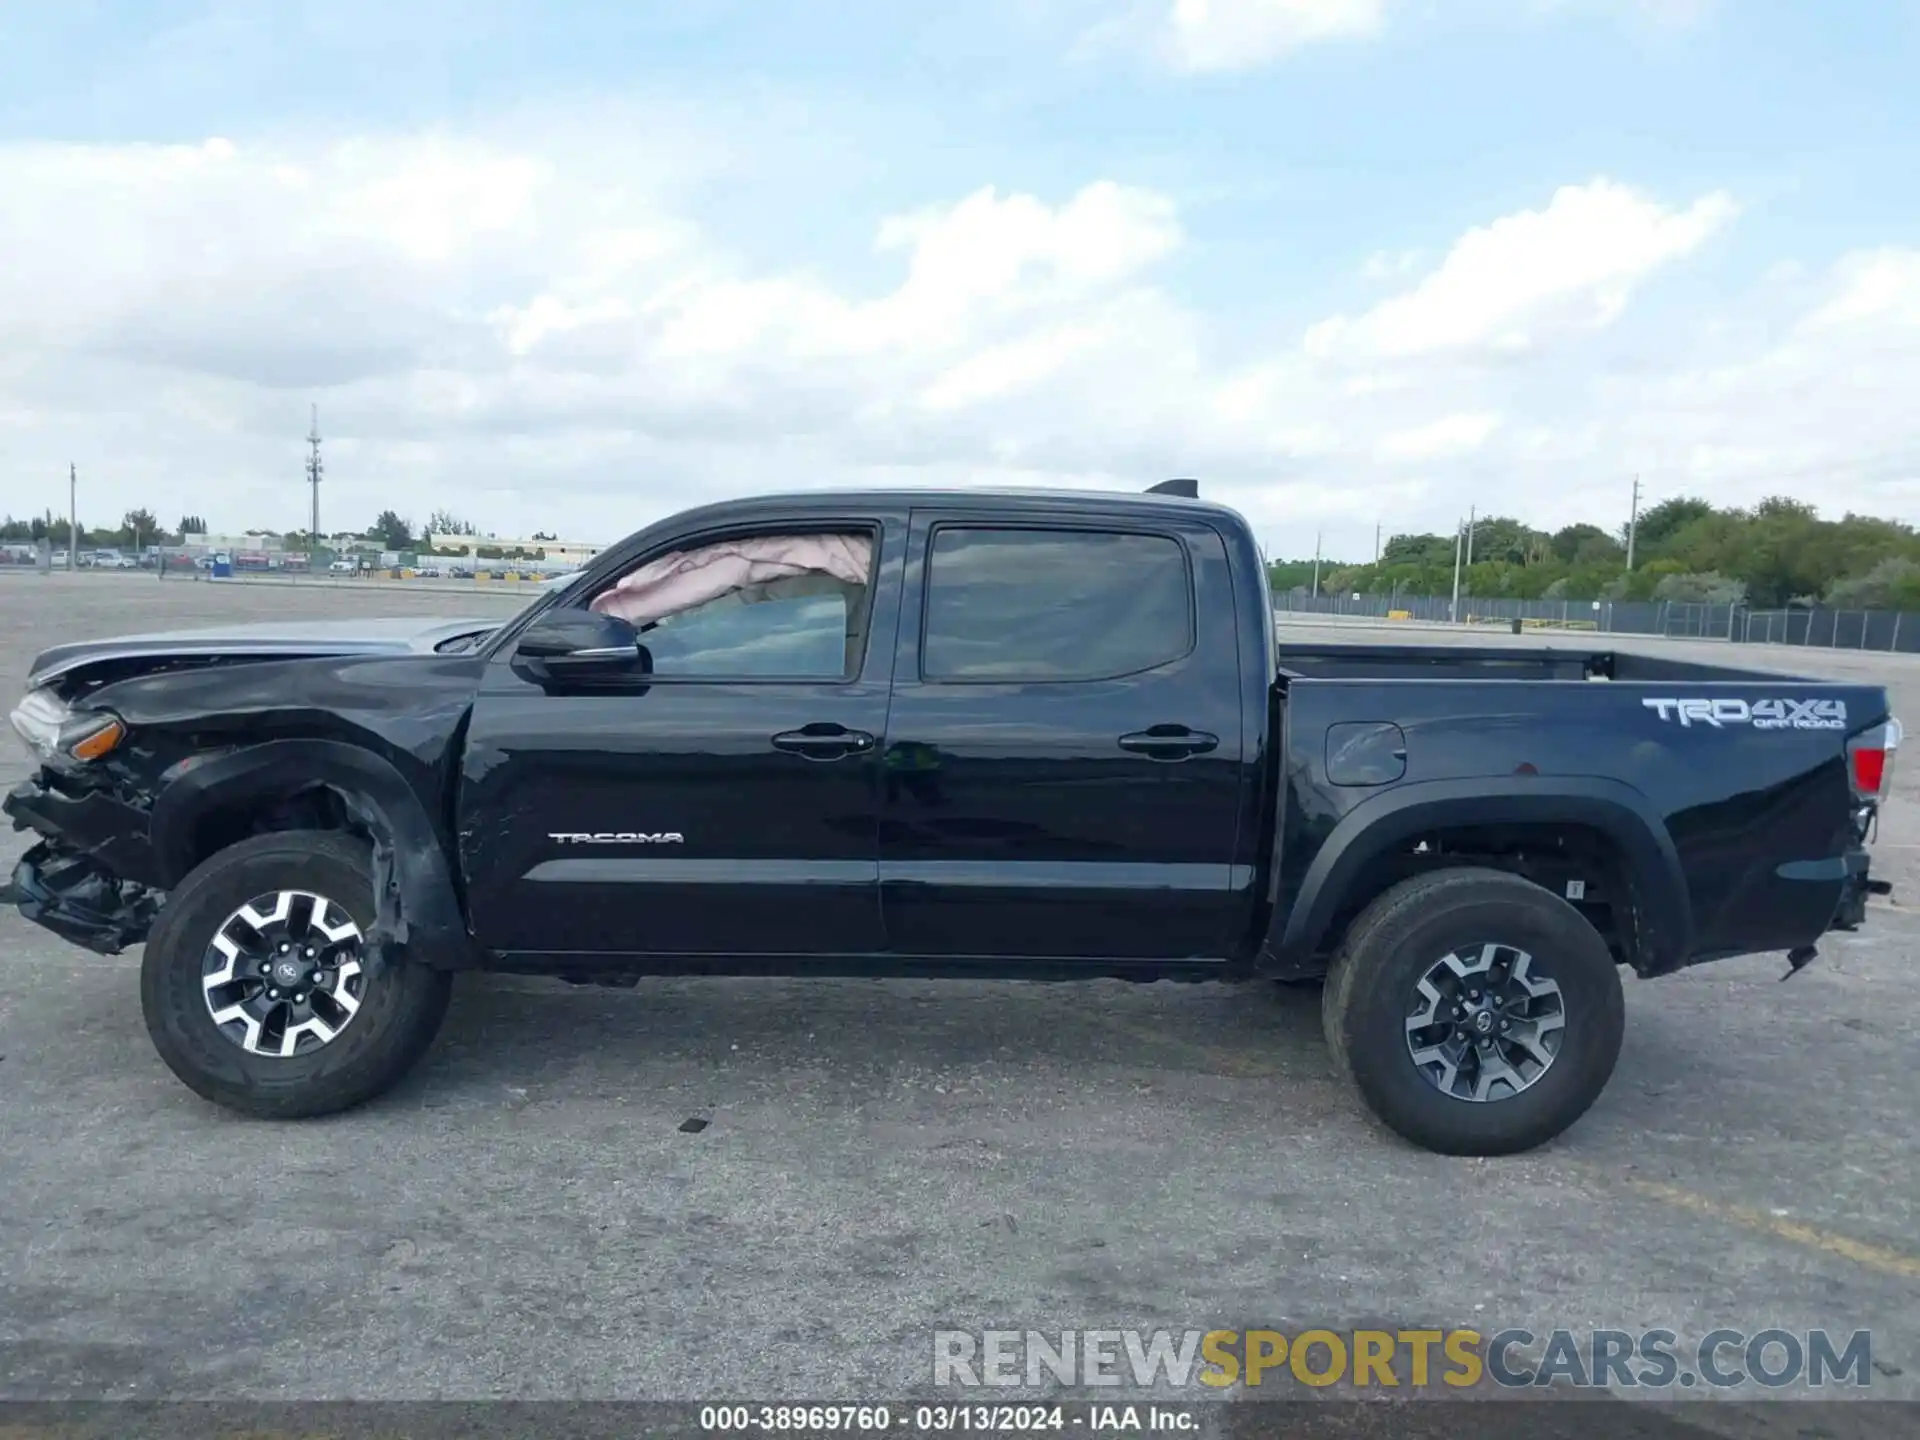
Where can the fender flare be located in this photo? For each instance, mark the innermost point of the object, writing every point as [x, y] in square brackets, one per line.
[1664, 910]
[416, 900]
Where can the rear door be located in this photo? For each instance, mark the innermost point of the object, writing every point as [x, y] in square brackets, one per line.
[725, 804]
[1063, 768]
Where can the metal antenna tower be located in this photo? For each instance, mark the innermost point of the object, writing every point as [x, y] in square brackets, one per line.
[313, 479]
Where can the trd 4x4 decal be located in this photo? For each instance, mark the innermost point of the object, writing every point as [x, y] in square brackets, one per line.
[1760, 714]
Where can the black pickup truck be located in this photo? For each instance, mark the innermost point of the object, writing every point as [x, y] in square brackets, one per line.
[972, 734]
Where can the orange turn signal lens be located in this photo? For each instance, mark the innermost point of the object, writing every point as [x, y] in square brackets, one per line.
[99, 742]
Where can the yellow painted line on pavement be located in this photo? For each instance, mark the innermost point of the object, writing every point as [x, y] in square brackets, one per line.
[1881, 1258]
[1813, 1237]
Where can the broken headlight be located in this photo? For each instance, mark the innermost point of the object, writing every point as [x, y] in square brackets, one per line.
[55, 732]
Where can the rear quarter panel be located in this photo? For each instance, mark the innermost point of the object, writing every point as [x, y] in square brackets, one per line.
[1738, 802]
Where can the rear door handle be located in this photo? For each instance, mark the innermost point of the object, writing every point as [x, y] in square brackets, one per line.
[1169, 742]
[823, 740]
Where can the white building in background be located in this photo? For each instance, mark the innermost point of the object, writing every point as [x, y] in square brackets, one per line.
[230, 544]
[558, 552]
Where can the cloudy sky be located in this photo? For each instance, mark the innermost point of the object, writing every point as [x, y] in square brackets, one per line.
[573, 264]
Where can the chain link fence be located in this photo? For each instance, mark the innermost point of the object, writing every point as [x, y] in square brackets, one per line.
[1833, 629]
[1631, 617]
[1816, 626]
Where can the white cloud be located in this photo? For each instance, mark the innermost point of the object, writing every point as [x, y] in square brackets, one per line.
[1452, 435]
[437, 294]
[1532, 276]
[1198, 37]
[1875, 289]
[1822, 408]
[1384, 265]
[1669, 15]
[1014, 366]
[971, 268]
[1210, 35]
[521, 329]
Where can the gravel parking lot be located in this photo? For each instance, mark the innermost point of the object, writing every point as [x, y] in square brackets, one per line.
[526, 1217]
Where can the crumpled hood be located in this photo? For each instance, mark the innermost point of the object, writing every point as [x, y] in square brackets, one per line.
[283, 640]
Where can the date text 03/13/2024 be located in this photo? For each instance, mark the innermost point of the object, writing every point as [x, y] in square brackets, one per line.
[939, 1419]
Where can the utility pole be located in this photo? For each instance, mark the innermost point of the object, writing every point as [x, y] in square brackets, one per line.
[313, 479]
[1316, 564]
[1459, 536]
[1376, 544]
[73, 517]
[1633, 521]
[1470, 524]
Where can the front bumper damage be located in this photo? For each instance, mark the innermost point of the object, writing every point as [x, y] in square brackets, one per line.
[91, 879]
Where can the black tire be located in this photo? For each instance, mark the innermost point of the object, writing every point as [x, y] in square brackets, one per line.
[401, 1003]
[1372, 990]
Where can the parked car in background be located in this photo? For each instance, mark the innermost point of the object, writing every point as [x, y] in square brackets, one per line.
[344, 567]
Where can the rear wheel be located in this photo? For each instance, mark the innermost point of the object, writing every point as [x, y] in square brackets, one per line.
[1476, 1013]
[257, 988]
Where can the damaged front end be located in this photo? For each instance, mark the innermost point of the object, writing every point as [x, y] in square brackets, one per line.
[152, 756]
[72, 896]
[91, 879]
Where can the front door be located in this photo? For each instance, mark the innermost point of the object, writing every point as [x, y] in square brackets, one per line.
[1063, 769]
[725, 804]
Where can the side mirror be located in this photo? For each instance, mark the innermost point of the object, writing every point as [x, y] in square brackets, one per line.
[578, 645]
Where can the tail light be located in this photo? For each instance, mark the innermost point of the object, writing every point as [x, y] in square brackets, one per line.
[1870, 758]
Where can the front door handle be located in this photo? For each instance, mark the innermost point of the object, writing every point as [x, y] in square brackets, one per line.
[1169, 742]
[823, 741]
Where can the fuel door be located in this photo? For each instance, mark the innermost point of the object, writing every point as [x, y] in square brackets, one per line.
[1366, 752]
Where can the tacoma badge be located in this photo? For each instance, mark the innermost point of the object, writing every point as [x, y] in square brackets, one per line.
[617, 837]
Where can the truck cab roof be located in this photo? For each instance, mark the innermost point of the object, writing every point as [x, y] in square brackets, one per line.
[1001, 500]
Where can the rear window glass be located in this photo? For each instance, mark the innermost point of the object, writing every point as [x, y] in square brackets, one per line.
[1053, 604]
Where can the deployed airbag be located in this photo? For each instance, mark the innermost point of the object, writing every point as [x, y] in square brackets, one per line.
[687, 578]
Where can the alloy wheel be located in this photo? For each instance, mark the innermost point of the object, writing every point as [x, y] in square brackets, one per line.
[283, 973]
[1482, 1026]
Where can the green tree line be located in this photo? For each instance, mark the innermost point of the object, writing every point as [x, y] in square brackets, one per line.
[1778, 553]
[136, 527]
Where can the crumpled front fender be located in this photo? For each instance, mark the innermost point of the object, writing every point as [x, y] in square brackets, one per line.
[417, 903]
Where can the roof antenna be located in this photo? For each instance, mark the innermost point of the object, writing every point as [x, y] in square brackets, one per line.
[1186, 489]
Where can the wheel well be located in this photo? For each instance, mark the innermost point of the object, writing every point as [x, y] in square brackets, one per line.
[310, 807]
[1580, 863]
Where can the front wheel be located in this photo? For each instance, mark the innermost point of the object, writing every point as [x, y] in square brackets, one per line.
[1476, 1013]
[257, 989]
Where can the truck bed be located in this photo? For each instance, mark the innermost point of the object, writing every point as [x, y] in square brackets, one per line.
[1462, 662]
